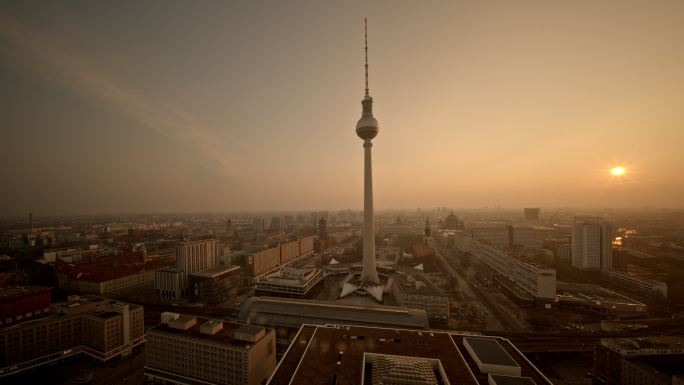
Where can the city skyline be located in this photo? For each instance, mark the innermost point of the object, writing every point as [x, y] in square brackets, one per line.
[116, 109]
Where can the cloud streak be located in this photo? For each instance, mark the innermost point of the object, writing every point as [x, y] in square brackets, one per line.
[223, 156]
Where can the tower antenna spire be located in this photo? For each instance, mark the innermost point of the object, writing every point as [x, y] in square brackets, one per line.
[365, 28]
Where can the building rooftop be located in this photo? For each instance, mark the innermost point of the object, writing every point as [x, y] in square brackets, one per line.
[416, 284]
[595, 294]
[321, 355]
[105, 314]
[489, 351]
[105, 269]
[667, 344]
[9, 292]
[225, 336]
[216, 271]
[294, 312]
[497, 379]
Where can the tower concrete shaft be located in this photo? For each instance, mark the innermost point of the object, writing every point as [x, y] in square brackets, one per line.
[369, 272]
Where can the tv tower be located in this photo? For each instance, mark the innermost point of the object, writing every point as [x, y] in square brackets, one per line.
[367, 129]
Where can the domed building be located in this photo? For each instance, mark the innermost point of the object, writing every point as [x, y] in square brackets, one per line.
[451, 222]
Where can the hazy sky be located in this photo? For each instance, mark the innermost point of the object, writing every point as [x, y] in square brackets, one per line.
[169, 106]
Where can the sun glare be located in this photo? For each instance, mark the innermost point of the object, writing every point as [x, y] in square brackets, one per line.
[617, 171]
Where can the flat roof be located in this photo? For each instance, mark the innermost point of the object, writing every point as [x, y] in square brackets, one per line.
[489, 351]
[19, 291]
[664, 342]
[215, 271]
[498, 379]
[225, 336]
[105, 314]
[320, 353]
[409, 286]
[298, 311]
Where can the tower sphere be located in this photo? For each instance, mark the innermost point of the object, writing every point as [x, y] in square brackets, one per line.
[367, 127]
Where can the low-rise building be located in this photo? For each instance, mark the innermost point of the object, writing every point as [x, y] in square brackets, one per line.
[415, 291]
[288, 281]
[190, 350]
[644, 287]
[292, 312]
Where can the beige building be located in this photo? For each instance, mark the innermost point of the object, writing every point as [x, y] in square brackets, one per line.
[185, 349]
[93, 325]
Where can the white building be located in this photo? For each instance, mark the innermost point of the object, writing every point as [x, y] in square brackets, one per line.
[591, 244]
[537, 280]
[290, 281]
[191, 257]
[167, 283]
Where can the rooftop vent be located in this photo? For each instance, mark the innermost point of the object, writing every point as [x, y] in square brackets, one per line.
[211, 327]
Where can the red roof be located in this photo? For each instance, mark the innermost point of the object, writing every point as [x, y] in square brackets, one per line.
[105, 269]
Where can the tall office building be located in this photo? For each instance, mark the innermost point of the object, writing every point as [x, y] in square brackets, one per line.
[591, 244]
[191, 257]
[197, 255]
[367, 129]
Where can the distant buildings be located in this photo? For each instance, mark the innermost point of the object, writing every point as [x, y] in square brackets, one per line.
[93, 325]
[502, 235]
[532, 214]
[340, 354]
[265, 261]
[591, 244]
[108, 276]
[190, 350]
[643, 287]
[653, 360]
[533, 279]
[492, 233]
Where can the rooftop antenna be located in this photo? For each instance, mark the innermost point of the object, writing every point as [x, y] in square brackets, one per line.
[365, 28]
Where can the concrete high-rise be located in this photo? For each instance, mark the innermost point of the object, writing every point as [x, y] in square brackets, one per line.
[591, 244]
[367, 129]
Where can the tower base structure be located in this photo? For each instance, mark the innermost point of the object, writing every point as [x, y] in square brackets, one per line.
[364, 287]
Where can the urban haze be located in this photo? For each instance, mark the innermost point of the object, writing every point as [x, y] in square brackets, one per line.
[338, 193]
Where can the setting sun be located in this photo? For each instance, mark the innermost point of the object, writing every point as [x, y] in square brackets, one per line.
[617, 171]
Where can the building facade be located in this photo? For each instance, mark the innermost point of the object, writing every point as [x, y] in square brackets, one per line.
[21, 303]
[591, 244]
[92, 325]
[216, 285]
[537, 280]
[653, 360]
[187, 349]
